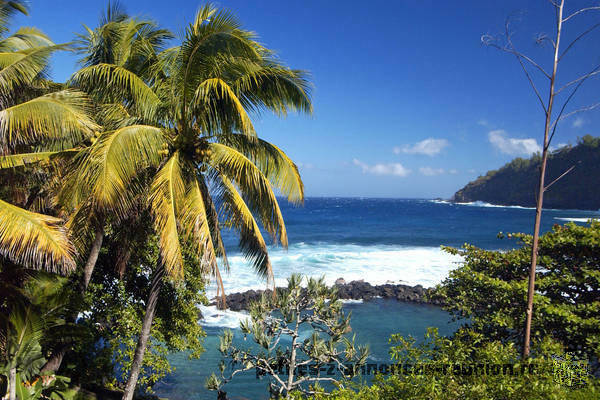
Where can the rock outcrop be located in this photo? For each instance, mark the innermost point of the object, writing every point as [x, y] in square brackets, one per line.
[355, 290]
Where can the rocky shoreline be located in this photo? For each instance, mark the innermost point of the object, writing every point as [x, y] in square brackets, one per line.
[355, 290]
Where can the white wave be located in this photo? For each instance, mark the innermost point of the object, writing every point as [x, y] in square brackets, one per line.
[376, 264]
[351, 301]
[211, 316]
[490, 205]
[576, 219]
[478, 204]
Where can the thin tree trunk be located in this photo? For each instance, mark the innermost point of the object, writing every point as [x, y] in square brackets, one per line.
[12, 384]
[55, 360]
[93, 257]
[138, 357]
[541, 189]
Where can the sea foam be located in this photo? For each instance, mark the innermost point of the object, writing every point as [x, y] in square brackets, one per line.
[480, 204]
[576, 219]
[376, 264]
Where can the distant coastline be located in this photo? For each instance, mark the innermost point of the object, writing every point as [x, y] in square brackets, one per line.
[515, 183]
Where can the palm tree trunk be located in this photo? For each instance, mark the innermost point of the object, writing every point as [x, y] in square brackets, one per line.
[93, 257]
[138, 357]
[541, 189]
[55, 360]
[12, 384]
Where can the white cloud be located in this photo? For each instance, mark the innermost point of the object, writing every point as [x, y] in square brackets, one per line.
[429, 147]
[395, 169]
[428, 171]
[453, 171]
[557, 147]
[512, 146]
[483, 122]
[303, 165]
[578, 123]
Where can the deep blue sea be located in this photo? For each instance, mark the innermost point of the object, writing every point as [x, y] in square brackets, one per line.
[378, 240]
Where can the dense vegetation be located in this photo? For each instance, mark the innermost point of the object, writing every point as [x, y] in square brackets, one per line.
[515, 183]
[122, 179]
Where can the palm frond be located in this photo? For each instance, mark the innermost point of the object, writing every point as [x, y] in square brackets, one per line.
[113, 81]
[34, 240]
[22, 159]
[116, 158]
[266, 84]
[213, 33]
[215, 97]
[281, 171]
[214, 224]
[195, 222]
[25, 38]
[254, 186]
[58, 115]
[167, 188]
[8, 9]
[26, 67]
[252, 243]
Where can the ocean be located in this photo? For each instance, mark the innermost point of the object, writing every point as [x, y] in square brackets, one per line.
[377, 240]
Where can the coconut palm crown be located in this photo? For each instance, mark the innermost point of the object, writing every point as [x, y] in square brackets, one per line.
[183, 134]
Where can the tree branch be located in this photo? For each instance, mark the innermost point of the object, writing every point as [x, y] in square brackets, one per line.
[567, 115]
[580, 12]
[576, 39]
[593, 72]
[557, 179]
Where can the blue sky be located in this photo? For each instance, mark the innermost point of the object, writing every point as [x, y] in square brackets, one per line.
[408, 102]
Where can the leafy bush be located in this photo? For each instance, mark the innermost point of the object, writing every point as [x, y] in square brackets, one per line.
[275, 321]
[489, 290]
[475, 369]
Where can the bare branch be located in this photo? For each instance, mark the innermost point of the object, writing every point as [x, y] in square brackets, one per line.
[583, 109]
[580, 12]
[489, 40]
[560, 116]
[537, 93]
[509, 47]
[595, 71]
[557, 179]
[576, 39]
[542, 37]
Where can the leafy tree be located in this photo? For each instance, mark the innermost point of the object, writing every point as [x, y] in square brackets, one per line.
[470, 366]
[114, 306]
[554, 110]
[490, 287]
[274, 320]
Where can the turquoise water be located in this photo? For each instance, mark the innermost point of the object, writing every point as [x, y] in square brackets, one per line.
[373, 322]
[378, 240]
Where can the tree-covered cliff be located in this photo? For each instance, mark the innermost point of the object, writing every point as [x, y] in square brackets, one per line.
[516, 182]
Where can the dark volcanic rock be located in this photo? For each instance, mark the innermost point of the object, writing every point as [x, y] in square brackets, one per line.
[356, 290]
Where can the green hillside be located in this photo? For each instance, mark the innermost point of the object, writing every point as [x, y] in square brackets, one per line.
[516, 182]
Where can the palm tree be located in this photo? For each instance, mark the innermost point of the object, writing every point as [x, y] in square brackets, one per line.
[38, 120]
[127, 45]
[187, 136]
